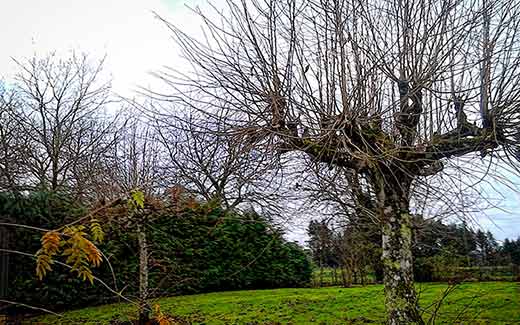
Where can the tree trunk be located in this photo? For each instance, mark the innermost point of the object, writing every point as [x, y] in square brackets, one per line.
[343, 277]
[321, 274]
[144, 310]
[348, 273]
[400, 296]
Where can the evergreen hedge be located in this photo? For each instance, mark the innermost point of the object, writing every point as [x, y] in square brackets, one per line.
[198, 249]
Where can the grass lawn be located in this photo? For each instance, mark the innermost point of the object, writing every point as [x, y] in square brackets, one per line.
[470, 303]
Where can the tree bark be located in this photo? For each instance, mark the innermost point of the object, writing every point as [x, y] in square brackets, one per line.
[400, 296]
[348, 275]
[343, 276]
[144, 310]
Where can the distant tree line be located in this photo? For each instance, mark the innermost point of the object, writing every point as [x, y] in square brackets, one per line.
[353, 249]
[352, 253]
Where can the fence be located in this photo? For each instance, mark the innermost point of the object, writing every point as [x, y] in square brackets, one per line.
[328, 276]
[477, 273]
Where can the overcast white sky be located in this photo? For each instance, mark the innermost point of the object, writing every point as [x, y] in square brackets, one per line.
[135, 43]
[126, 30]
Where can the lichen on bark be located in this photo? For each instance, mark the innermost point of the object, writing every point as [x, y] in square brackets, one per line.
[400, 296]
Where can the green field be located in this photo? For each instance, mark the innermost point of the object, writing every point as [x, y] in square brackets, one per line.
[470, 303]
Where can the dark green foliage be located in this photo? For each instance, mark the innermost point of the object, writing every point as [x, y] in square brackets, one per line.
[456, 252]
[442, 252]
[45, 210]
[351, 249]
[321, 243]
[423, 269]
[195, 250]
[199, 252]
[510, 251]
[42, 209]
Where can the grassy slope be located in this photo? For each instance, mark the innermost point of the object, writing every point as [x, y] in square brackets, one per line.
[480, 303]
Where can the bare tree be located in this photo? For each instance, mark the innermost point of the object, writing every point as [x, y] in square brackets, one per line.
[134, 161]
[12, 143]
[213, 166]
[133, 168]
[396, 91]
[63, 114]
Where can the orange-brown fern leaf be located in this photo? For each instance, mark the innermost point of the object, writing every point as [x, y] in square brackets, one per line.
[74, 255]
[92, 252]
[161, 318]
[43, 264]
[75, 231]
[191, 203]
[51, 242]
[85, 273]
[75, 252]
[81, 253]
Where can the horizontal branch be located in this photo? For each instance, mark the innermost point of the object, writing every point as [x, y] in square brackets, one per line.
[454, 146]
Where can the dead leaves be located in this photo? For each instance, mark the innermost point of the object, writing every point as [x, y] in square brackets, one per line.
[81, 253]
[44, 257]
